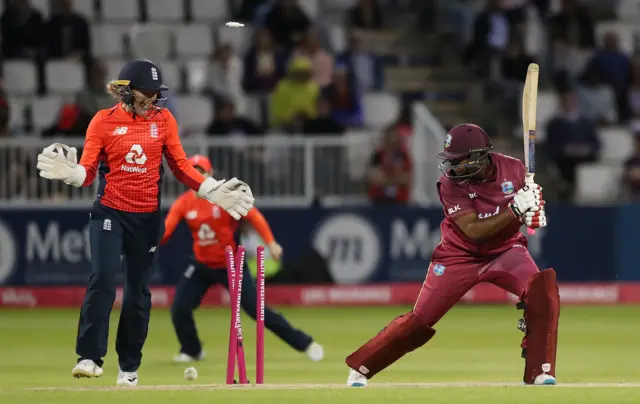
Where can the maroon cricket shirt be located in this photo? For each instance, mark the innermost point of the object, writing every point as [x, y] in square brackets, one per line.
[485, 199]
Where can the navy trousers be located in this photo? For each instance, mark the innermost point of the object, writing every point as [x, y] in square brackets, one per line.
[119, 240]
[189, 293]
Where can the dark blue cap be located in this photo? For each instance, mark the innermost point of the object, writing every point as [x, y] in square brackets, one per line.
[142, 74]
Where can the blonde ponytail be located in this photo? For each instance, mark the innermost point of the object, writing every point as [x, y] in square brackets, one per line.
[115, 90]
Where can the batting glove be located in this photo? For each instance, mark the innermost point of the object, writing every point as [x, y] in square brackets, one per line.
[527, 198]
[53, 164]
[535, 218]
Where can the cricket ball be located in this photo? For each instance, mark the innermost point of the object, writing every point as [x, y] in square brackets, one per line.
[190, 374]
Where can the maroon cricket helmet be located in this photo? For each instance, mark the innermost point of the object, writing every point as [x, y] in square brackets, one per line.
[464, 142]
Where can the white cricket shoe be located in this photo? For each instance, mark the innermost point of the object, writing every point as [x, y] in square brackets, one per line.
[127, 378]
[184, 358]
[544, 380]
[86, 368]
[315, 352]
[356, 379]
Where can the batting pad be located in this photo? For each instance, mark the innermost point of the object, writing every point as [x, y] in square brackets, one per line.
[403, 335]
[541, 313]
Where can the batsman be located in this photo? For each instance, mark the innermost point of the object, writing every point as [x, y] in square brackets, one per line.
[486, 201]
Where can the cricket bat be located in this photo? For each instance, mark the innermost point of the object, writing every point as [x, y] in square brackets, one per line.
[529, 104]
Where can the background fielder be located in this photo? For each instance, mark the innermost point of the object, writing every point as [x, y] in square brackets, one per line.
[212, 231]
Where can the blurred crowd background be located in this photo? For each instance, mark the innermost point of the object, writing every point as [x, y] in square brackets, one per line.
[335, 82]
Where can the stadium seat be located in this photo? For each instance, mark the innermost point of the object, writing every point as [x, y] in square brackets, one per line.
[617, 144]
[123, 10]
[64, 76]
[108, 40]
[85, 8]
[380, 109]
[43, 6]
[597, 183]
[16, 113]
[360, 146]
[113, 68]
[210, 10]
[338, 5]
[310, 7]
[197, 75]
[239, 39]
[165, 10]
[44, 111]
[170, 74]
[20, 77]
[194, 40]
[195, 112]
[628, 10]
[151, 42]
[253, 109]
[338, 38]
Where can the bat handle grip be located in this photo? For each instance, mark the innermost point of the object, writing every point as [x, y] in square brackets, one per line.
[528, 179]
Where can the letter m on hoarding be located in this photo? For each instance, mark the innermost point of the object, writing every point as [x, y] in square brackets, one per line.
[405, 244]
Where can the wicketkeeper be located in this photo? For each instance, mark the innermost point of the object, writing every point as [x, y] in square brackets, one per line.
[124, 146]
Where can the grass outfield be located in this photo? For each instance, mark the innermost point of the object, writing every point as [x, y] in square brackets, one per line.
[474, 358]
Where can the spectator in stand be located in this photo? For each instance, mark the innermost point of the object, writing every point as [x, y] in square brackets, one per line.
[226, 77]
[634, 92]
[67, 34]
[93, 98]
[264, 64]
[614, 66]
[366, 15]
[22, 30]
[321, 61]
[491, 33]
[404, 123]
[363, 67]
[228, 122]
[286, 21]
[246, 12]
[513, 68]
[5, 115]
[323, 123]
[294, 99]
[345, 99]
[573, 26]
[390, 171]
[571, 140]
[631, 175]
[597, 100]
[246, 160]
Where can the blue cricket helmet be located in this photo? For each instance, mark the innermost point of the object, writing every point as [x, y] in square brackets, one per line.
[142, 74]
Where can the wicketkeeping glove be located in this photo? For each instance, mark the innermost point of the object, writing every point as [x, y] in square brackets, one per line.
[234, 196]
[55, 165]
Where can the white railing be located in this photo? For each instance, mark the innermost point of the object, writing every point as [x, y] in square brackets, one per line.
[427, 140]
[283, 170]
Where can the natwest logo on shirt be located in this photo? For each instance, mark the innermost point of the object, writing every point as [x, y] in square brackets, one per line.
[135, 156]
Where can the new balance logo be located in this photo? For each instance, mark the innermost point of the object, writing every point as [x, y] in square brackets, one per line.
[106, 225]
[135, 156]
[120, 130]
[473, 195]
[152, 249]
